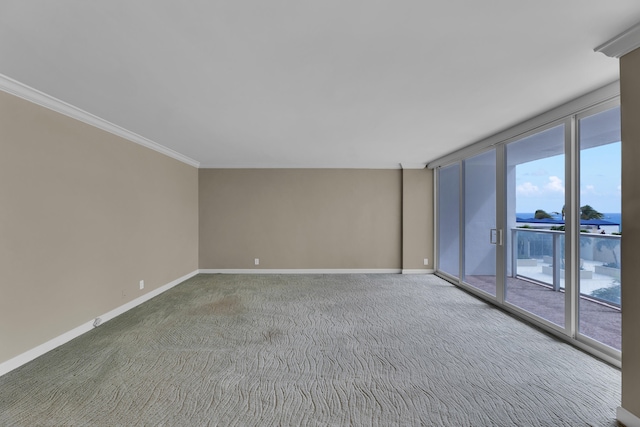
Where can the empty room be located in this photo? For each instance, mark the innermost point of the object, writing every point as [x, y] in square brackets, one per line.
[321, 214]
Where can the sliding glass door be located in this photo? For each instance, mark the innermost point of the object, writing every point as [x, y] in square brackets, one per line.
[480, 233]
[599, 281]
[449, 219]
[533, 224]
[534, 175]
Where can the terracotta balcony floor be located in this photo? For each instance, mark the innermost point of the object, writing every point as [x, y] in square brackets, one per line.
[599, 321]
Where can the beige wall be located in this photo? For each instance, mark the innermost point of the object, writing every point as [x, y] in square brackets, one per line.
[84, 216]
[417, 219]
[300, 219]
[630, 108]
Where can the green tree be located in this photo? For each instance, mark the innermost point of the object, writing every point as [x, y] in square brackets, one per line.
[541, 214]
[587, 212]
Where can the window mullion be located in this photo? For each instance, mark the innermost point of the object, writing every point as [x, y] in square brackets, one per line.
[572, 225]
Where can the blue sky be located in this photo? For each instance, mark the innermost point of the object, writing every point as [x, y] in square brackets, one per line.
[540, 184]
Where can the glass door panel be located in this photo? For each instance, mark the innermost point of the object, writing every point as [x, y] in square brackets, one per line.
[480, 234]
[449, 220]
[599, 284]
[501, 226]
[535, 194]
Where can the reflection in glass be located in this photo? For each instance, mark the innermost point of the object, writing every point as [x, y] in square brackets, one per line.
[479, 220]
[599, 306]
[535, 203]
[449, 220]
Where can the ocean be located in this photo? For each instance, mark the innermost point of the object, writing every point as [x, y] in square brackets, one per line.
[613, 217]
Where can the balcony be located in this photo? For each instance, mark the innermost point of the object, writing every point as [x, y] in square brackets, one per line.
[536, 280]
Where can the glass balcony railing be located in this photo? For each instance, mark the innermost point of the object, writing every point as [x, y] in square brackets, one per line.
[538, 255]
[536, 281]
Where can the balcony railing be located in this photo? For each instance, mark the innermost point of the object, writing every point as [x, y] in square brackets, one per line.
[538, 255]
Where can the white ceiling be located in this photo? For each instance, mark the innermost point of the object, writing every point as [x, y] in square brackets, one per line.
[326, 83]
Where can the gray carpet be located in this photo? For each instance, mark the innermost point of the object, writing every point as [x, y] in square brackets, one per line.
[313, 350]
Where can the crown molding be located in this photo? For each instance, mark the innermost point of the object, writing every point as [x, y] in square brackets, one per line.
[14, 87]
[378, 166]
[621, 44]
[413, 165]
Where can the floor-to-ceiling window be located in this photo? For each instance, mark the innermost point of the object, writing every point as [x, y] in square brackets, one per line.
[536, 227]
[449, 219]
[599, 283]
[480, 234]
[535, 177]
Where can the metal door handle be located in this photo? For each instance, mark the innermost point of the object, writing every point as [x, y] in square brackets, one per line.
[495, 236]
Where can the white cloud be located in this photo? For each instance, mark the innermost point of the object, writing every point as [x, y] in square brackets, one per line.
[588, 189]
[527, 189]
[554, 185]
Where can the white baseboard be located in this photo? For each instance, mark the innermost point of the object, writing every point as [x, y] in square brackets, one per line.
[626, 418]
[301, 271]
[38, 351]
[418, 271]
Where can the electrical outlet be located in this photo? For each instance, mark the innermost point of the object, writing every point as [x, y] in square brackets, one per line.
[256, 261]
[426, 261]
[141, 284]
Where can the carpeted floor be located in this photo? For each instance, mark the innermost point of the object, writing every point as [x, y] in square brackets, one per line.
[313, 350]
